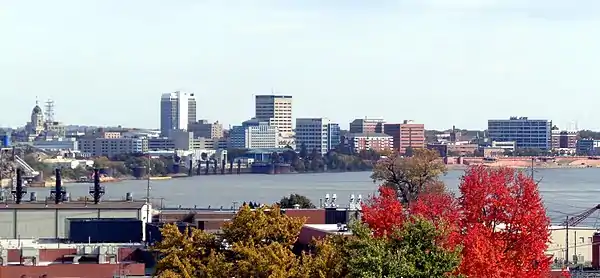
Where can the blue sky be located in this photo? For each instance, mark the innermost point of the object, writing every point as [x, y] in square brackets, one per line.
[439, 62]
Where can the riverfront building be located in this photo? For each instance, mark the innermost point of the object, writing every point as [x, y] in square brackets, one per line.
[205, 129]
[177, 110]
[111, 147]
[526, 133]
[406, 135]
[564, 141]
[317, 133]
[376, 141]
[254, 134]
[367, 126]
[588, 146]
[276, 110]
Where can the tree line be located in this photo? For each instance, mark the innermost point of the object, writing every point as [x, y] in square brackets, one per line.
[496, 227]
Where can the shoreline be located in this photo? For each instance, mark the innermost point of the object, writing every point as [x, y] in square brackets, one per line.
[450, 167]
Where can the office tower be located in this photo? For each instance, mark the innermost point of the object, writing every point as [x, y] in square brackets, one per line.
[524, 132]
[406, 135]
[177, 110]
[277, 111]
[367, 125]
[317, 134]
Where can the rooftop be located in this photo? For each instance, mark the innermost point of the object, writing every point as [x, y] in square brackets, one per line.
[368, 135]
[49, 204]
[327, 228]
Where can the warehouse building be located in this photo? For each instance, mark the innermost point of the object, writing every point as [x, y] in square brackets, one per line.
[47, 220]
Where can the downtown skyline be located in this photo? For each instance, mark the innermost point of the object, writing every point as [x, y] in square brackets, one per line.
[438, 64]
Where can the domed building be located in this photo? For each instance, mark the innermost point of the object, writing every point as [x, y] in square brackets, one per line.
[36, 126]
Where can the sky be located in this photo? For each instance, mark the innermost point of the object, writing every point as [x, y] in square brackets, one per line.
[437, 62]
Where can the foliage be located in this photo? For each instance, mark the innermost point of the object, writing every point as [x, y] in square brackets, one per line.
[409, 176]
[383, 213]
[331, 161]
[233, 153]
[296, 199]
[411, 251]
[255, 243]
[584, 134]
[506, 226]
[499, 220]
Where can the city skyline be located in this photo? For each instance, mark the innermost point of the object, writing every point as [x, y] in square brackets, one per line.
[430, 61]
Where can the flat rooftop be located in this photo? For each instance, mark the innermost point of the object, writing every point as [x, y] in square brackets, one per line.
[58, 244]
[49, 204]
[326, 228]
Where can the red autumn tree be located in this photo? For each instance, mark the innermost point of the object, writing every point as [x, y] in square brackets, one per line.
[383, 213]
[506, 230]
[442, 209]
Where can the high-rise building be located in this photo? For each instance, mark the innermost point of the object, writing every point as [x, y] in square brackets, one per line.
[526, 133]
[408, 134]
[177, 110]
[317, 133]
[367, 125]
[334, 137]
[277, 111]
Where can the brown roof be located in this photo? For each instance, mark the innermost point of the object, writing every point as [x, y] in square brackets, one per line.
[72, 205]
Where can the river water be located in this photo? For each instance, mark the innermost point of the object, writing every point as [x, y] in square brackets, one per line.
[565, 191]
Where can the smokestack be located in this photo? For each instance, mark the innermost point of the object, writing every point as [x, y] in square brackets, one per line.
[19, 189]
[97, 191]
[58, 189]
[96, 186]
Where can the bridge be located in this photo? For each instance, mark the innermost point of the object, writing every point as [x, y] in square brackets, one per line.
[10, 161]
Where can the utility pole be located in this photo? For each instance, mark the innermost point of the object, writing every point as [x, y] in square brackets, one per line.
[532, 163]
[567, 242]
[148, 192]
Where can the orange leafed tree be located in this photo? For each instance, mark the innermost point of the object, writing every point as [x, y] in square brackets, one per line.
[499, 220]
[506, 229]
[383, 213]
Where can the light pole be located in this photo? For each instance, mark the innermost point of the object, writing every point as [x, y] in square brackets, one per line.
[148, 191]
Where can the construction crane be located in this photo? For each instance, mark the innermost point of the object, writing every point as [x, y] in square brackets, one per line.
[574, 221]
[577, 219]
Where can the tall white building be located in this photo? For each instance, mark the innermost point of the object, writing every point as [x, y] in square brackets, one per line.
[277, 111]
[177, 110]
[313, 133]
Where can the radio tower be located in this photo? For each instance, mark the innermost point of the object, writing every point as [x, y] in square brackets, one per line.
[49, 110]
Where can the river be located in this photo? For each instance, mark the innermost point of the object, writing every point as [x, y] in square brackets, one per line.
[565, 191]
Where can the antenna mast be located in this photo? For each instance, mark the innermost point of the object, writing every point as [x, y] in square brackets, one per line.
[49, 110]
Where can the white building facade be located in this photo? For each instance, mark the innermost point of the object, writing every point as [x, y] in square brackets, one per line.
[277, 111]
[177, 110]
[110, 147]
[254, 134]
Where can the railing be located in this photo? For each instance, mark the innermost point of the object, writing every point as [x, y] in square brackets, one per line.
[28, 169]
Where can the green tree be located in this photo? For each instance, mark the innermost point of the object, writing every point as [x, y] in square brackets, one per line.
[410, 176]
[303, 151]
[412, 251]
[296, 199]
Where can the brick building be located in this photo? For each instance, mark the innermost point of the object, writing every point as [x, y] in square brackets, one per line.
[406, 134]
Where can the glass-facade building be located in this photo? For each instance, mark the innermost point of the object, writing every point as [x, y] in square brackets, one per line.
[317, 133]
[526, 133]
